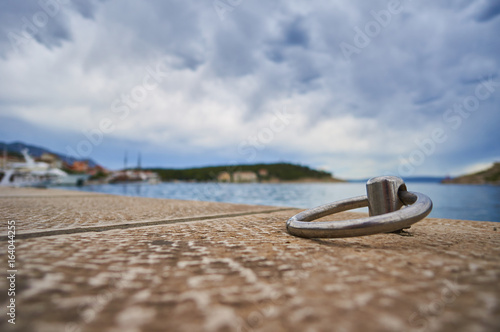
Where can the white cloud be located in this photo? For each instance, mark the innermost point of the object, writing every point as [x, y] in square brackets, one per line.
[226, 78]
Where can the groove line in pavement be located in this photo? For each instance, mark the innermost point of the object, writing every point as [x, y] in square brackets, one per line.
[66, 231]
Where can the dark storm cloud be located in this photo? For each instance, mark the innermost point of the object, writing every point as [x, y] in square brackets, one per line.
[43, 21]
[489, 11]
[86, 8]
[296, 34]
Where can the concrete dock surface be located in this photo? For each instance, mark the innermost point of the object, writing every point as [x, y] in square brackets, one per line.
[95, 262]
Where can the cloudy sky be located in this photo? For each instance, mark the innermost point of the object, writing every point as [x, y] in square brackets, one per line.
[359, 88]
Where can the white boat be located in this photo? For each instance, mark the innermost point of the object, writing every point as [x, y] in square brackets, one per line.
[71, 180]
[30, 173]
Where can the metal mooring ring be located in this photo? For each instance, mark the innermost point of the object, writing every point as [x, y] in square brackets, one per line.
[391, 208]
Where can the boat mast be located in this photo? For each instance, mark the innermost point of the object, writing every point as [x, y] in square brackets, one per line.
[4, 159]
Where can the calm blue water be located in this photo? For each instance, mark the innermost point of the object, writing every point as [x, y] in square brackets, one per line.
[471, 202]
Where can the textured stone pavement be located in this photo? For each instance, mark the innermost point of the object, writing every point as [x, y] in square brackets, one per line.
[107, 263]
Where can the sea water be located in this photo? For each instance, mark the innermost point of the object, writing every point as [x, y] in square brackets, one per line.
[469, 202]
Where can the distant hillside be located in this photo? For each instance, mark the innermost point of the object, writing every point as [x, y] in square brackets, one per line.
[265, 172]
[489, 176]
[37, 151]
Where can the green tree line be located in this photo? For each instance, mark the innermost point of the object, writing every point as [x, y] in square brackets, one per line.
[281, 171]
